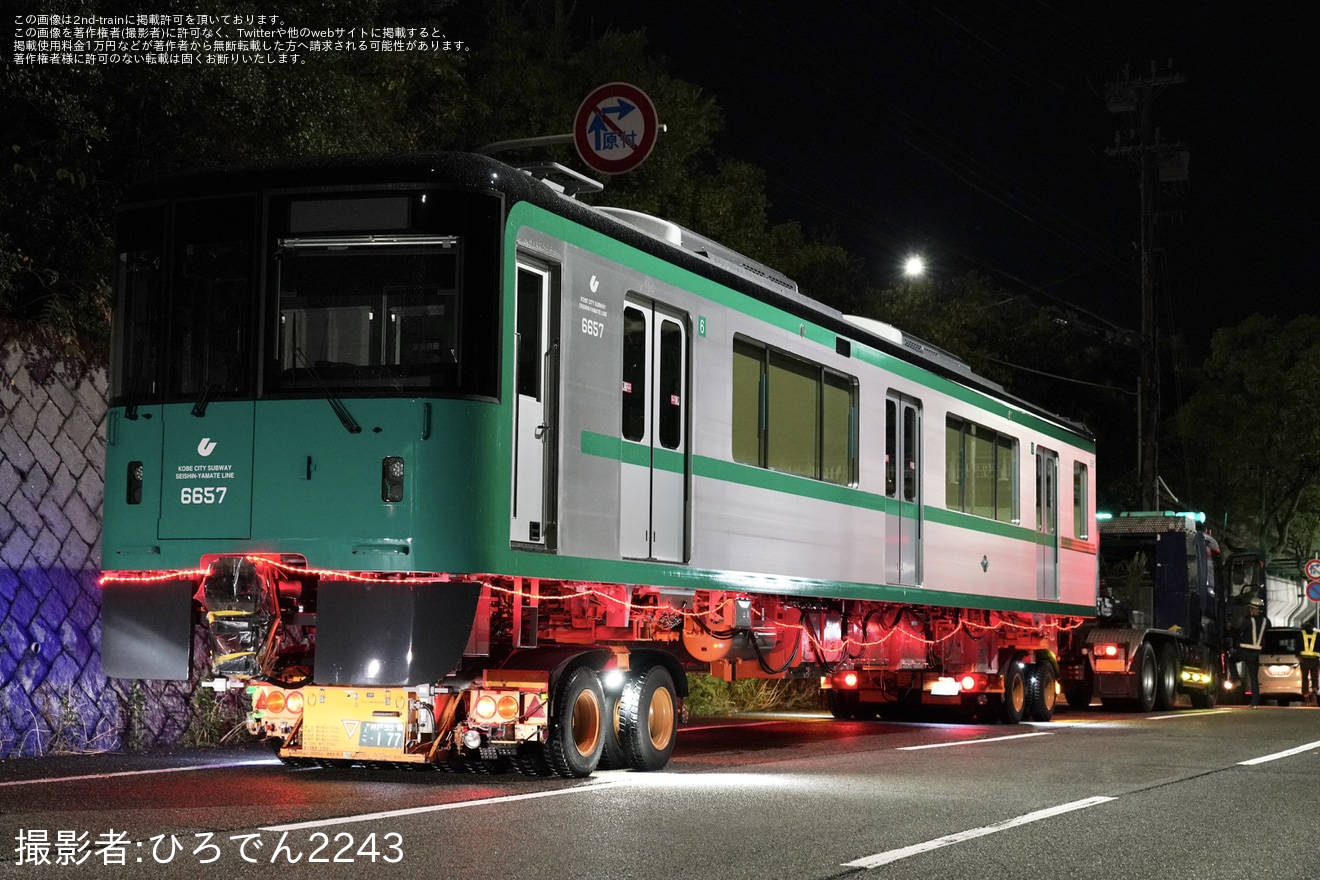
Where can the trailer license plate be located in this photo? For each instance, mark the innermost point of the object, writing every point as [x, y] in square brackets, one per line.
[381, 735]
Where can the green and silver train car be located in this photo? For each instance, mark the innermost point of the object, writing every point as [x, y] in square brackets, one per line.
[451, 467]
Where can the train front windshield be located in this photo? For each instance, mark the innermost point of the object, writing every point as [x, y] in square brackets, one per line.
[375, 292]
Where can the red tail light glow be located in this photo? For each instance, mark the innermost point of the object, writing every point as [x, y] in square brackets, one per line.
[849, 679]
[485, 708]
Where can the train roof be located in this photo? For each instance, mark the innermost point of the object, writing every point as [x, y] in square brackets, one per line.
[669, 241]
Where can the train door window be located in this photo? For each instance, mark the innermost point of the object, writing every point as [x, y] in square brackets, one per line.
[635, 365]
[891, 448]
[671, 397]
[911, 450]
[529, 333]
[1081, 517]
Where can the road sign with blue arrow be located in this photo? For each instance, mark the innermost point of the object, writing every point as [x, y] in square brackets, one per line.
[615, 128]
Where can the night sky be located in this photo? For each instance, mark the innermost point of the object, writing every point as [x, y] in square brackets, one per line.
[977, 133]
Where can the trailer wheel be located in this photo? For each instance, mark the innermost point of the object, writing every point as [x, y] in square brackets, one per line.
[612, 756]
[648, 719]
[1167, 694]
[574, 739]
[1041, 692]
[842, 704]
[1014, 702]
[1146, 671]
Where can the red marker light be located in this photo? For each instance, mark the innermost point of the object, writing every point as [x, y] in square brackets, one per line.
[968, 683]
[850, 679]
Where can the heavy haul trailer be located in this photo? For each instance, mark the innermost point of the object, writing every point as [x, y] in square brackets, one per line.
[456, 470]
[1162, 618]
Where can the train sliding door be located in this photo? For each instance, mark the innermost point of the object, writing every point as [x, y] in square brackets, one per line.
[903, 489]
[536, 361]
[654, 465]
[1047, 524]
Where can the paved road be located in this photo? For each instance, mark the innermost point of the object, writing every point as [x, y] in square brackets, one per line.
[1228, 793]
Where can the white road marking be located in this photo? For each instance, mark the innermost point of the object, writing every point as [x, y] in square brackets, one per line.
[50, 779]
[1194, 714]
[1277, 755]
[895, 855]
[970, 742]
[435, 808]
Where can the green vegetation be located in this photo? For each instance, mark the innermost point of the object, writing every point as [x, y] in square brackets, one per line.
[714, 696]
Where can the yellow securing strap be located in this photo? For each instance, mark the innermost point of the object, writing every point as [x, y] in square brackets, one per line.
[222, 658]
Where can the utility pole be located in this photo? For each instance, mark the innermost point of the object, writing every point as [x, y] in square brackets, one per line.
[1157, 162]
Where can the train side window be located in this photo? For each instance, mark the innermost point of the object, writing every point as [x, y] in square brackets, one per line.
[1081, 519]
[670, 418]
[747, 409]
[980, 471]
[793, 401]
[793, 415]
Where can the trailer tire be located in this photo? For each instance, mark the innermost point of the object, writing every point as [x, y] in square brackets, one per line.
[613, 756]
[1167, 695]
[575, 737]
[1146, 671]
[1041, 691]
[648, 719]
[842, 704]
[1013, 704]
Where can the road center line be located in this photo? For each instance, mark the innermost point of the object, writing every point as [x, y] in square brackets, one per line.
[435, 808]
[1277, 755]
[49, 779]
[895, 855]
[971, 742]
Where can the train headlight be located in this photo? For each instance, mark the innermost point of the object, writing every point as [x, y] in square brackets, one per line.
[135, 474]
[391, 478]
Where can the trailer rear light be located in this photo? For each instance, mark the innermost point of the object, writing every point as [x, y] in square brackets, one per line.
[294, 702]
[507, 707]
[259, 702]
[974, 682]
[485, 708]
[275, 702]
[849, 679]
[1107, 650]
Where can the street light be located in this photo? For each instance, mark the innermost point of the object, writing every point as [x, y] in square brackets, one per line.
[914, 266]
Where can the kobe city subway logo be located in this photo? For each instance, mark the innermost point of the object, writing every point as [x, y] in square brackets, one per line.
[206, 447]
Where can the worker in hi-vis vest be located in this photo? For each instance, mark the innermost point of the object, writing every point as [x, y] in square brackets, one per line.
[1250, 637]
[1310, 658]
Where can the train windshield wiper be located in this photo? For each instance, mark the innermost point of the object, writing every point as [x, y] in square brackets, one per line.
[345, 417]
[203, 399]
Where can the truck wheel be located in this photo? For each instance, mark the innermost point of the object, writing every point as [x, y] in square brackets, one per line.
[1041, 692]
[1169, 673]
[1147, 685]
[1206, 699]
[648, 719]
[575, 737]
[1014, 702]
[1079, 693]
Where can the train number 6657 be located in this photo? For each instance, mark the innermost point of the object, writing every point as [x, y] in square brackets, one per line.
[203, 495]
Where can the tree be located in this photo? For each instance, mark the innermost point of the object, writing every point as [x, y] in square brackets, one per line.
[1254, 421]
[79, 136]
